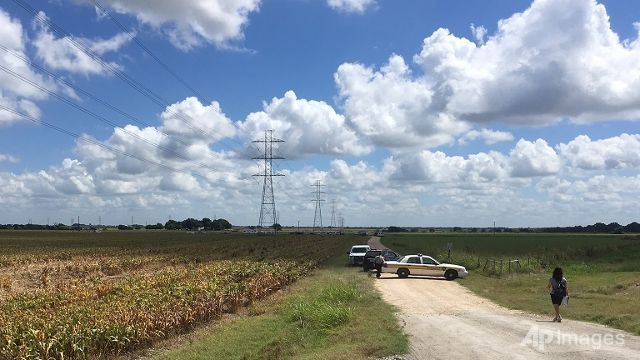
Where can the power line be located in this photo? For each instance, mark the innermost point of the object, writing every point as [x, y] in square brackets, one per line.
[146, 49]
[95, 142]
[136, 85]
[78, 89]
[155, 57]
[91, 96]
[92, 114]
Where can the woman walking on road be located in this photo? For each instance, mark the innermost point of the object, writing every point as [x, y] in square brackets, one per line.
[558, 289]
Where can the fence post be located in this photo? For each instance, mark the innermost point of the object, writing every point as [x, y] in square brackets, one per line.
[509, 266]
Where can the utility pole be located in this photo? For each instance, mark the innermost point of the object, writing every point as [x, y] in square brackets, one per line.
[268, 215]
[317, 216]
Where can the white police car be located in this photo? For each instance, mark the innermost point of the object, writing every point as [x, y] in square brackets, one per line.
[423, 265]
[356, 254]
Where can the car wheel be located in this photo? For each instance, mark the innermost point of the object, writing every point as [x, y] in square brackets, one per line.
[450, 274]
[403, 273]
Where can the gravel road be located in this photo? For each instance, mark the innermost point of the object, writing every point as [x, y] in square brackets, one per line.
[444, 320]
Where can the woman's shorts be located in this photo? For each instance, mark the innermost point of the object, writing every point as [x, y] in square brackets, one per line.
[556, 299]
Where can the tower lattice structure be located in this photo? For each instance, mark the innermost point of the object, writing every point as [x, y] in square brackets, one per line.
[317, 216]
[268, 214]
[333, 224]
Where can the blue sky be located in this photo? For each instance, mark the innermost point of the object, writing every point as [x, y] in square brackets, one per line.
[262, 49]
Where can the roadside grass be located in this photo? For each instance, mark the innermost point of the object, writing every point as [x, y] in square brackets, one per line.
[603, 271]
[335, 313]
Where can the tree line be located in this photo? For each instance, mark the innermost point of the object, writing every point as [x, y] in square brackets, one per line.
[187, 224]
[597, 228]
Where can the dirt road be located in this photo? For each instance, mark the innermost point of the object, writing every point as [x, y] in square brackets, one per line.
[444, 320]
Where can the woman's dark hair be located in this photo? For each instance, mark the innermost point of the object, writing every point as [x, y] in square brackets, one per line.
[557, 274]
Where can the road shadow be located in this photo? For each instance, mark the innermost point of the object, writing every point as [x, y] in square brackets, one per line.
[412, 278]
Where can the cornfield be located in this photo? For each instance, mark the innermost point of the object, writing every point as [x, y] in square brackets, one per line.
[109, 296]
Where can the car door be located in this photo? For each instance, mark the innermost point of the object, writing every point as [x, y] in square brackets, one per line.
[415, 265]
[431, 267]
[390, 255]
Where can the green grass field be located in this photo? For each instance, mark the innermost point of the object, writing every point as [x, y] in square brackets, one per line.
[603, 271]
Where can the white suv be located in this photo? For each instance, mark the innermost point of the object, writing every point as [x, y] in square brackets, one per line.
[356, 255]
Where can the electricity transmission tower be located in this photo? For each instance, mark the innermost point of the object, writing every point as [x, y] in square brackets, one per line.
[332, 225]
[268, 215]
[340, 223]
[317, 216]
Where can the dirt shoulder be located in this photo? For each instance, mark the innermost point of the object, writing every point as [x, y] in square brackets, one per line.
[444, 320]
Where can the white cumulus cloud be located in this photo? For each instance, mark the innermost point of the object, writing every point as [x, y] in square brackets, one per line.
[61, 54]
[539, 67]
[308, 126]
[16, 94]
[9, 158]
[478, 32]
[535, 158]
[618, 152]
[191, 23]
[536, 69]
[392, 109]
[489, 136]
[351, 6]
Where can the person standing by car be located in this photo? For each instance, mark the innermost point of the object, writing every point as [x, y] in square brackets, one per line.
[378, 262]
[558, 289]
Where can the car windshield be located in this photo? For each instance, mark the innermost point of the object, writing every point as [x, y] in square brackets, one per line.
[359, 250]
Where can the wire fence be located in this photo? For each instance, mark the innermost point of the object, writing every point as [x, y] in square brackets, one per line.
[503, 266]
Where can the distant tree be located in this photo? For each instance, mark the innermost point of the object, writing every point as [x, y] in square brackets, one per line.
[221, 224]
[277, 226]
[157, 226]
[207, 224]
[191, 224]
[172, 225]
[395, 229]
[123, 227]
[633, 227]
